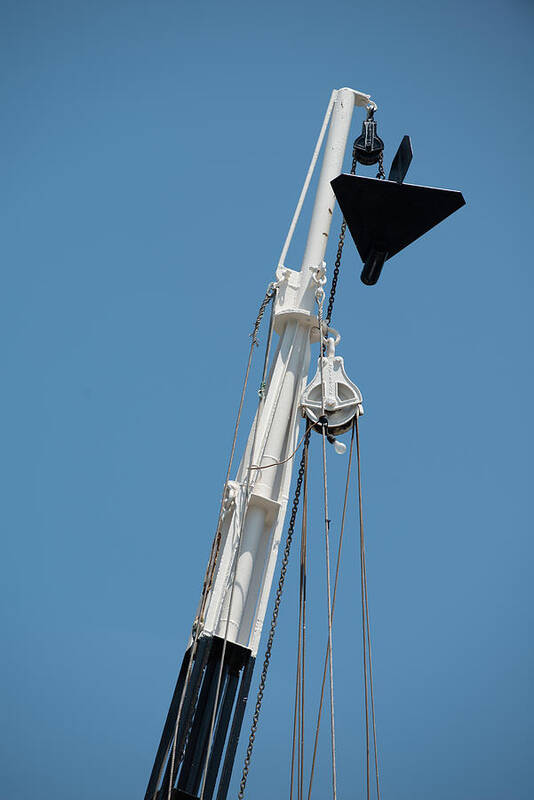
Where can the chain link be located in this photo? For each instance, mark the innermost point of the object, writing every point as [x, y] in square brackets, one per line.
[381, 175]
[339, 253]
[274, 620]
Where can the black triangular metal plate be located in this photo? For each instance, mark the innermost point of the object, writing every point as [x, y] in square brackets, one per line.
[388, 216]
[401, 161]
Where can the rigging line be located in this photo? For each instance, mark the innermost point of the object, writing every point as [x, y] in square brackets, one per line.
[269, 295]
[368, 630]
[327, 551]
[274, 620]
[296, 710]
[293, 454]
[329, 602]
[192, 653]
[223, 651]
[298, 714]
[295, 718]
[319, 714]
[307, 180]
[362, 570]
[246, 499]
[304, 590]
[371, 680]
[261, 390]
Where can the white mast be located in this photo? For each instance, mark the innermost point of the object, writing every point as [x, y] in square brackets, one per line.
[277, 426]
[206, 713]
[200, 735]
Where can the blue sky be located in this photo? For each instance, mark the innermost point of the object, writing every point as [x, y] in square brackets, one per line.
[151, 157]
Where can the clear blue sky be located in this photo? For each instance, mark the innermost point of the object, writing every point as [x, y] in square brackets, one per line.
[151, 156]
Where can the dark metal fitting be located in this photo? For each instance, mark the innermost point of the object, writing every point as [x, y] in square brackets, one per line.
[369, 146]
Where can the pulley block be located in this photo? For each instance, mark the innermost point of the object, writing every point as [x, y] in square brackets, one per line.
[368, 146]
[342, 398]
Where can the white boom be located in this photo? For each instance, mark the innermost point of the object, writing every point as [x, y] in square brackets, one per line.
[203, 725]
[200, 735]
[277, 425]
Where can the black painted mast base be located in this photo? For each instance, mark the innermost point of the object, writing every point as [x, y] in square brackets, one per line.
[195, 722]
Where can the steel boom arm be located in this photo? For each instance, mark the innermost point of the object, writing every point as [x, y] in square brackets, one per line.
[252, 527]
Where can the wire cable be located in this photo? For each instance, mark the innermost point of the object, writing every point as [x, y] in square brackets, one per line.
[246, 498]
[274, 620]
[298, 715]
[320, 299]
[325, 669]
[366, 631]
[210, 569]
[292, 455]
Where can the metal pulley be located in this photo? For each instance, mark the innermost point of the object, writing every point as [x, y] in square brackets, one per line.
[369, 146]
[342, 398]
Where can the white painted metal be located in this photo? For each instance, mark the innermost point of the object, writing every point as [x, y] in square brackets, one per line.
[342, 398]
[360, 99]
[277, 422]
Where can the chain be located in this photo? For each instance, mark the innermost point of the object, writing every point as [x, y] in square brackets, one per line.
[339, 253]
[381, 175]
[270, 293]
[274, 620]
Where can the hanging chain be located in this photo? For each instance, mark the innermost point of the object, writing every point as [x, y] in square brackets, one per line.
[381, 175]
[339, 253]
[274, 620]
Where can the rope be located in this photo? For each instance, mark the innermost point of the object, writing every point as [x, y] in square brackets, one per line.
[329, 602]
[319, 714]
[226, 629]
[271, 293]
[371, 680]
[366, 634]
[298, 716]
[210, 569]
[308, 178]
[261, 390]
[304, 545]
[319, 294]
[274, 620]
[366, 627]
[180, 707]
[295, 451]
[362, 570]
